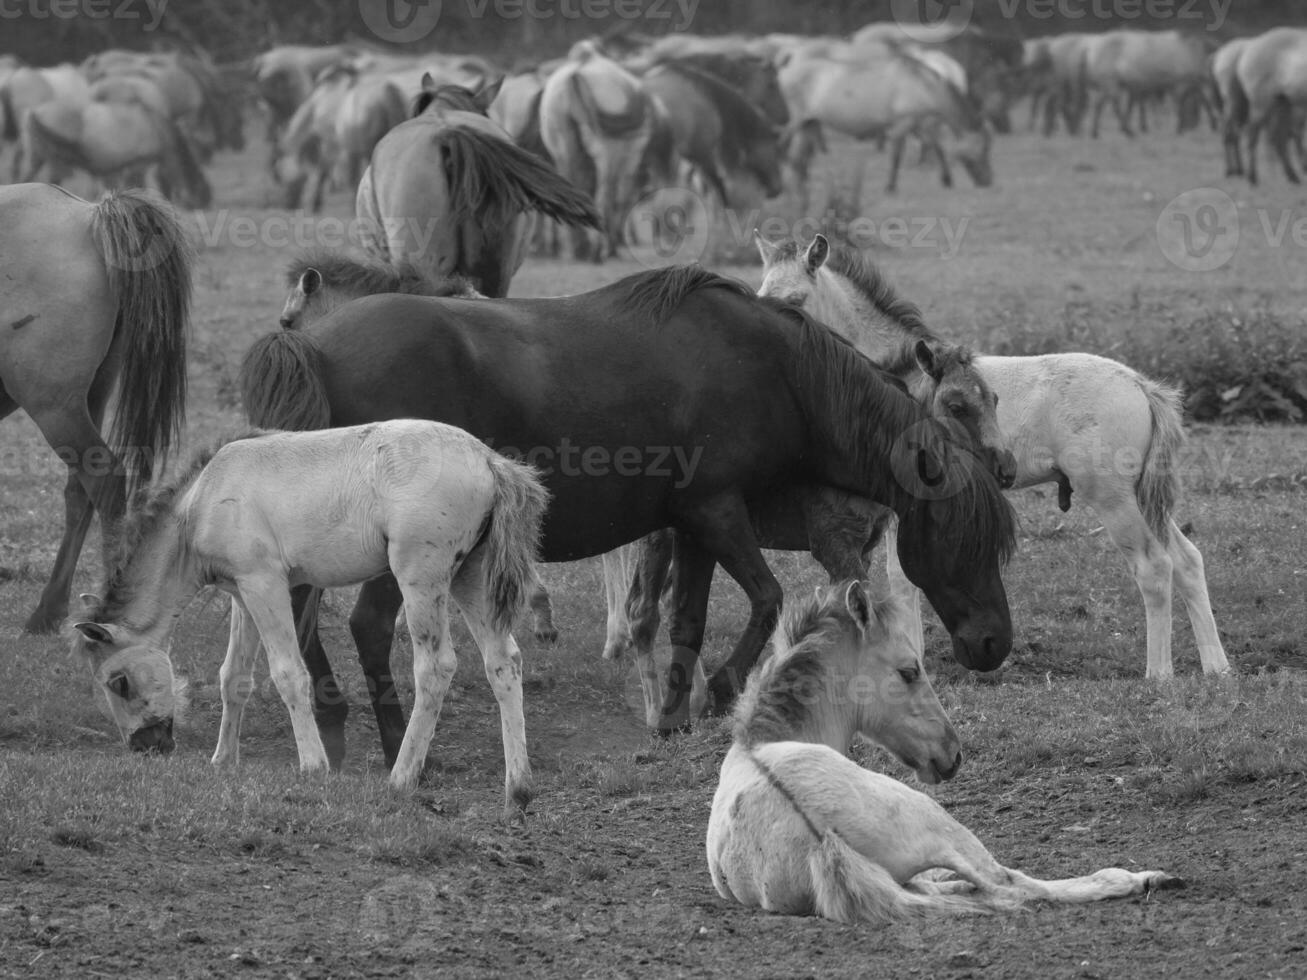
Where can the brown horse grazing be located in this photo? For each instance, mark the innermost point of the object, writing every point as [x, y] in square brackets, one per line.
[450, 192]
[96, 299]
[580, 385]
[1270, 86]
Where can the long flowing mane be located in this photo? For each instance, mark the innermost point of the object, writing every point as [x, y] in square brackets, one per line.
[743, 123]
[149, 510]
[370, 276]
[862, 416]
[655, 295]
[780, 693]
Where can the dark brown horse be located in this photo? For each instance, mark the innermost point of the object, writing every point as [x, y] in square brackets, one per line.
[673, 398]
[95, 300]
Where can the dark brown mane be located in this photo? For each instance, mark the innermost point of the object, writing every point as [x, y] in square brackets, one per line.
[655, 295]
[449, 96]
[743, 123]
[147, 511]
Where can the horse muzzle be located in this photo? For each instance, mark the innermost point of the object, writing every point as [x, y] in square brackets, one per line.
[983, 653]
[937, 772]
[1004, 467]
[153, 738]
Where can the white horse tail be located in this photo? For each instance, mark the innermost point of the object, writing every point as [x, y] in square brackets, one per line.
[512, 542]
[1158, 488]
[849, 888]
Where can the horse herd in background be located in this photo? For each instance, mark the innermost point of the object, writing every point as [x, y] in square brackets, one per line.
[821, 413]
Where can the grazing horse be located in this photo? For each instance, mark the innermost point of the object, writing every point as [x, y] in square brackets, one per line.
[283, 78]
[716, 129]
[450, 192]
[1090, 424]
[840, 530]
[798, 827]
[884, 90]
[116, 141]
[21, 91]
[97, 298]
[1129, 66]
[580, 387]
[425, 502]
[596, 121]
[1270, 86]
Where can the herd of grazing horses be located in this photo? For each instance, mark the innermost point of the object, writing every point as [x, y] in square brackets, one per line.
[820, 413]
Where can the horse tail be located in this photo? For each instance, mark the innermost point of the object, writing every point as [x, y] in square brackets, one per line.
[847, 887]
[182, 155]
[147, 258]
[7, 116]
[512, 542]
[491, 180]
[615, 125]
[281, 383]
[1237, 108]
[1158, 487]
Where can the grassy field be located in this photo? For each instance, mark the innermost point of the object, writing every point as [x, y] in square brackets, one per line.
[118, 865]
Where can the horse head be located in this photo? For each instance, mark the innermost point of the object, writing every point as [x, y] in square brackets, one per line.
[136, 680]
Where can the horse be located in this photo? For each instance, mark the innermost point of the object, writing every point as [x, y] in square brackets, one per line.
[579, 386]
[1270, 85]
[99, 295]
[596, 121]
[284, 76]
[798, 827]
[1133, 65]
[898, 93]
[117, 142]
[1092, 425]
[428, 503]
[715, 128]
[449, 191]
[22, 90]
[840, 530]
[1059, 64]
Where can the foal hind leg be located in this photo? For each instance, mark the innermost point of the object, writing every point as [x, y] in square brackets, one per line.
[426, 607]
[1191, 583]
[330, 708]
[503, 664]
[372, 624]
[1150, 561]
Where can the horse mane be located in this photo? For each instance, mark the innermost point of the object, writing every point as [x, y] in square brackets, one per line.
[146, 513]
[450, 96]
[742, 121]
[779, 694]
[370, 276]
[657, 293]
[843, 389]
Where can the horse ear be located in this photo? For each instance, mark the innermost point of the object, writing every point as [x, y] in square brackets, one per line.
[928, 360]
[88, 599]
[428, 83]
[310, 281]
[858, 605]
[487, 93]
[815, 257]
[95, 632]
[766, 249]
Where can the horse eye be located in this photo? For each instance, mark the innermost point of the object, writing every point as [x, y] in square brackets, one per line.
[119, 685]
[958, 408]
[910, 675]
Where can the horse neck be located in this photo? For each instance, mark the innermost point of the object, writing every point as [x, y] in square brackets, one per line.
[851, 313]
[829, 715]
[162, 578]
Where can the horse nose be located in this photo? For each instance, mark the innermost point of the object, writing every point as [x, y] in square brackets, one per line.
[1006, 468]
[286, 323]
[153, 738]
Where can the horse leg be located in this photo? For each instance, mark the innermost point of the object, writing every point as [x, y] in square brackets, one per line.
[542, 610]
[907, 594]
[237, 679]
[1281, 137]
[619, 566]
[1151, 564]
[689, 616]
[723, 529]
[503, 664]
[1254, 131]
[426, 607]
[330, 708]
[1191, 582]
[895, 161]
[267, 600]
[372, 624]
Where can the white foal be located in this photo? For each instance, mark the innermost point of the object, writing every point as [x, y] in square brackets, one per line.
[798, 827]
[426, 501]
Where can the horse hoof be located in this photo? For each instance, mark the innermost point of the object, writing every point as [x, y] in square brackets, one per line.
[1165, 882]
[684, 728]
[549, 635]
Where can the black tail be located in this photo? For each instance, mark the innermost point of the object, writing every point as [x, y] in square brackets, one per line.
[281, 383]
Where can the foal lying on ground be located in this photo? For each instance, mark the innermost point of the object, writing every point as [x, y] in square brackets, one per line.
[426, 501]
[798, 827]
